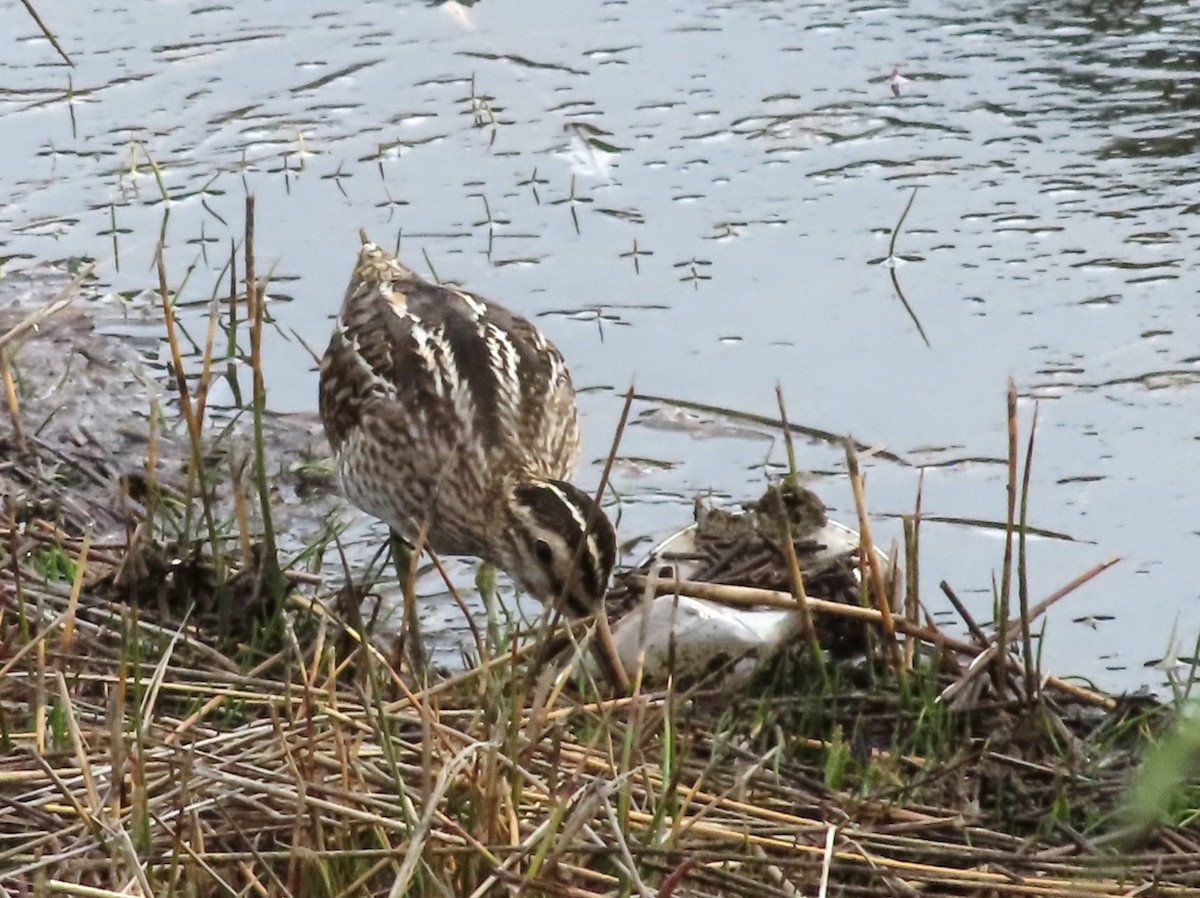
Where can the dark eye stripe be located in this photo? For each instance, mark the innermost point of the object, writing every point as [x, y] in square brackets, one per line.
[564, 509]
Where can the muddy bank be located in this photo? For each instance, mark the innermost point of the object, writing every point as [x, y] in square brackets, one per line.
[94, 404]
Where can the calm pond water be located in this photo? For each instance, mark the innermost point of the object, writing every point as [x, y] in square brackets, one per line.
[727, 229]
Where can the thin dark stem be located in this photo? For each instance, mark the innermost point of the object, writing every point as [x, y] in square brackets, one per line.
[903, 215]
[1031, 682]
[49, 35]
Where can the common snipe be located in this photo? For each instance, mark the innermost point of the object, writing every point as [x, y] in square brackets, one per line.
[449, 411]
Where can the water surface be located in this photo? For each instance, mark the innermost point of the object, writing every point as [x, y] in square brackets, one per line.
[699, 197]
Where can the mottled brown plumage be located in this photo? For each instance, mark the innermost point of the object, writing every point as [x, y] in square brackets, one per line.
[449, 410]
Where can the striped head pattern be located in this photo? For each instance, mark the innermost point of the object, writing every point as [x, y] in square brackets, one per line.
[561, 548]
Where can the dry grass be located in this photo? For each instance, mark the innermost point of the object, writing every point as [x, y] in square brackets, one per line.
[141, 760]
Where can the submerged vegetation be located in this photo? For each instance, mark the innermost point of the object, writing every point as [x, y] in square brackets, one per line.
[188, 707]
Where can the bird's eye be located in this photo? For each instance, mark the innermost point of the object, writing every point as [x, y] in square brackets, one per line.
[544, 553]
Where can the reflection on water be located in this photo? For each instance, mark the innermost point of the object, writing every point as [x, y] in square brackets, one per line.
[692, 197]
[1143, 60]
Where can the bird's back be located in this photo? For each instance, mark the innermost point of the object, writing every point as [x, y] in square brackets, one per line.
[437, 402]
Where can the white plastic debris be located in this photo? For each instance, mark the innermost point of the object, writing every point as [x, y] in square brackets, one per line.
[691, 637]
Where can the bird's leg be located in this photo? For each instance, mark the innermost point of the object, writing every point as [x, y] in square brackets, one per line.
[485, 582]
[410, 633]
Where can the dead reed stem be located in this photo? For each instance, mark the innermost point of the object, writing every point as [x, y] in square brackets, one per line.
[789, 547]
[1002, 610]
[256, 313]
[869, 560]
[1031, 680]
[46, 32]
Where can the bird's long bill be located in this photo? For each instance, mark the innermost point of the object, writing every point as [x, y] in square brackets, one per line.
[607, 657]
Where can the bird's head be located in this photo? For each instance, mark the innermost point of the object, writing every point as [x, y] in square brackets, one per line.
[561, 547]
